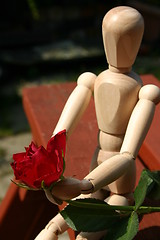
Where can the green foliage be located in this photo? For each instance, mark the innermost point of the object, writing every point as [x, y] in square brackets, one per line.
[149, 185]
[121, 222]
[90, 215]
[126, 229]
[145, 183]
[155, 191]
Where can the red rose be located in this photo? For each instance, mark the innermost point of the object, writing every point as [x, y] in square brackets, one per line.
[38, 164]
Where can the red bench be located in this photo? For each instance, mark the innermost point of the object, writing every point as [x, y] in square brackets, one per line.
[24, 213]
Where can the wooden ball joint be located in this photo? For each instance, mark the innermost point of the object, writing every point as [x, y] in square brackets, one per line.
[124, 111]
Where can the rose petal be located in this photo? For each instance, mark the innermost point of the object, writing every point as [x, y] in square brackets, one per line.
[31, 149]
[58, 142]
[19, 156]
[46, 168]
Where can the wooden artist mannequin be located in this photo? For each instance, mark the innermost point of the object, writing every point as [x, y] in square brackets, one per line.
[124, 110]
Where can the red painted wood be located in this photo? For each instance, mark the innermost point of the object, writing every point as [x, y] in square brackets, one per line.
[43, 106]
[23, 214]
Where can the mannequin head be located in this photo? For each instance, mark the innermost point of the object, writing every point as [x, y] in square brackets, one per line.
[122, 30]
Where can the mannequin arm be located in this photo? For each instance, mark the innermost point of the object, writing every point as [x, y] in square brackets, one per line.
[73, 110]
[137, 129]
[141, 119]
[76, 103]
[109, 171]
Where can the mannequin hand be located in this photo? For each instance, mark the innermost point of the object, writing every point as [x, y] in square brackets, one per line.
[68, 188]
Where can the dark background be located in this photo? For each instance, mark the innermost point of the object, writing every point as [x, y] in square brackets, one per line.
[51, 41]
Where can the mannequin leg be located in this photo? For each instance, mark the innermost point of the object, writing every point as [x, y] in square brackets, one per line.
[56, 226]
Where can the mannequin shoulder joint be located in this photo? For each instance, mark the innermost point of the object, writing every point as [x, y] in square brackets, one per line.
[87, 79]
[150, 92]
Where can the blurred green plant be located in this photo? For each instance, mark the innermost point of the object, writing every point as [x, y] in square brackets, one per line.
[2, 152]
[34, 9]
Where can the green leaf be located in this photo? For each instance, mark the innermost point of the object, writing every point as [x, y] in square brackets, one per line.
[155, 191]
[155, 175]
[126, 229]
[100, 205]
[84, 219]
[43, 186]
[22, 185]
[144, 186]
